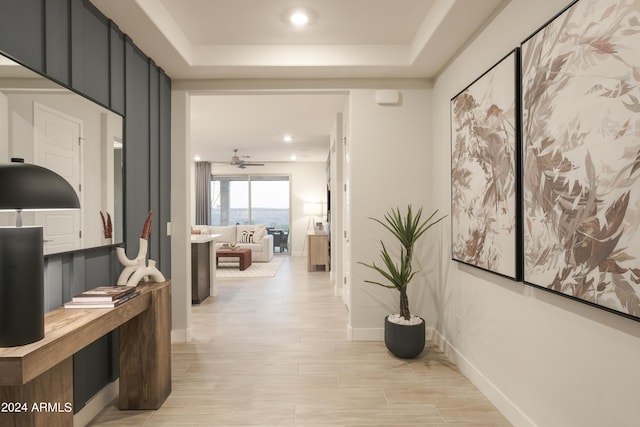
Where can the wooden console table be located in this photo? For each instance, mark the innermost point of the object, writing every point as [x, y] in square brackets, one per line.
[36, 380]
[318, 254]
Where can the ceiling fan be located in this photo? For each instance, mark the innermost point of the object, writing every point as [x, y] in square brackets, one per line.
[237, 161]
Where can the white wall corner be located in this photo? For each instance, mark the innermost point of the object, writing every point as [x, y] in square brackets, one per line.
[181, 335]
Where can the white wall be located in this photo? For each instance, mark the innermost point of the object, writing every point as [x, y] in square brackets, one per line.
[390, 158]
[545, 360]
[336, 153]
[308, 183]
[181, 165]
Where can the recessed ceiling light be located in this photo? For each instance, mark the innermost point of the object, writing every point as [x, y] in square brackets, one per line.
[293, 157]
[299, 18]
[196, 158]
[287, 138]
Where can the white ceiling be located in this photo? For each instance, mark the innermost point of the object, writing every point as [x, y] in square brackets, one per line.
[250, 39]
[256, 123]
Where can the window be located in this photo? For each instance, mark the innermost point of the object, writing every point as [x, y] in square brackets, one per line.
[230, 200]
[250, 199]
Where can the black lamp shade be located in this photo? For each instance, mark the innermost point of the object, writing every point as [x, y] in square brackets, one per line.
[25, 186]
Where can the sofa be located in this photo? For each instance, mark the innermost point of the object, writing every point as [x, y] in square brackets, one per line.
[254, 237]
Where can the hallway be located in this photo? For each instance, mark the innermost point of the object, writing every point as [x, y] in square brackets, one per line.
[275, 352]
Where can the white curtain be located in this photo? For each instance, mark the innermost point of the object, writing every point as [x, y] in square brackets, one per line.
[203, 193]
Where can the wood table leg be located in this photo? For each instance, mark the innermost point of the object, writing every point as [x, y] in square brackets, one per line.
[245, 261]
[145, 355]
[45, 401]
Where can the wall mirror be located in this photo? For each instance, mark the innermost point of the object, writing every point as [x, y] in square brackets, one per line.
[51, 126]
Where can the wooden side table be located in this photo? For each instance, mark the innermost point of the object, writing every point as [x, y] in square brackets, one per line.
[318, 251]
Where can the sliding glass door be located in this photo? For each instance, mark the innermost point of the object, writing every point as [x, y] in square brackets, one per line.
[269, 197]
[251, 199]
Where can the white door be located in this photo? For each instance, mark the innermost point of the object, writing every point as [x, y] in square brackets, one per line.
[57, 147]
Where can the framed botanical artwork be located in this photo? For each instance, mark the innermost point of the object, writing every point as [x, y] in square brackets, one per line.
[485, 152]
[581, 148]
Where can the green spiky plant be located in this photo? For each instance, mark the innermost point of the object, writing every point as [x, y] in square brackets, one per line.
[407, 228]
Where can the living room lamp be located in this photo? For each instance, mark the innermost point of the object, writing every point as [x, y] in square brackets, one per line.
[312, 209]
[26, 187]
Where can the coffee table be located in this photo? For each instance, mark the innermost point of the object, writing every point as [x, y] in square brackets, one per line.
[243, 255]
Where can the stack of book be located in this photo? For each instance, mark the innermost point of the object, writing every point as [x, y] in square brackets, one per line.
[103, 297]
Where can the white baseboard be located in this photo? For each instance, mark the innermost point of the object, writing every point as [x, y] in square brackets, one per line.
[181, 335]
[97, 403]
[484, 384]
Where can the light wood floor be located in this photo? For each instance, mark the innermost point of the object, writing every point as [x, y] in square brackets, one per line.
[275, 352]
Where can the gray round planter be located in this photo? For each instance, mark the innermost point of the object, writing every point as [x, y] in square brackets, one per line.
[404, 341]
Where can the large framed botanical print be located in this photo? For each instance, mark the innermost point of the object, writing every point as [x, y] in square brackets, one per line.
[484, 171]
[581, 154]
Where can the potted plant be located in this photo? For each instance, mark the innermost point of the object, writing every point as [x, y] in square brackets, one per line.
[404, 334]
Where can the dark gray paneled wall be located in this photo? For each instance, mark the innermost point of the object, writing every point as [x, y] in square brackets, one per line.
[71, 42]
[117, 43]
[22, 31]
[90, 71]
[57, 38]
[137, 156]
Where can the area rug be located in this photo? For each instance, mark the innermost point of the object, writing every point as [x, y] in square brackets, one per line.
[256, 269]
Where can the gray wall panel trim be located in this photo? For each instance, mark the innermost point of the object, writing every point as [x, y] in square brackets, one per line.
[90, 52]
[98, 264]
[137, 146]
[24, 17]
[53, 284]
[117, 68]
[81, 270]
[78, 274]
[77, 48]
[57, 14]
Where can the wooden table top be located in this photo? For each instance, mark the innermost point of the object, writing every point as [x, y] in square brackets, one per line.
[66, 332]
[223, 252]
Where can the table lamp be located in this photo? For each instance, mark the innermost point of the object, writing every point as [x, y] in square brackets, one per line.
[26, 187]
